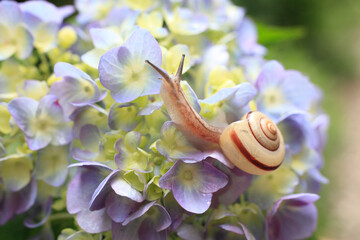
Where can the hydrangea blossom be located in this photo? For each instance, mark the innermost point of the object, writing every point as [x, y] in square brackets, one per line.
[42, 122]
[84, 133]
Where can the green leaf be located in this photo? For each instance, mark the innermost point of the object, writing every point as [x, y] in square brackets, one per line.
[274, 34]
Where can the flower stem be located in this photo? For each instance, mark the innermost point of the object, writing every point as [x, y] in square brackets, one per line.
[58, 216]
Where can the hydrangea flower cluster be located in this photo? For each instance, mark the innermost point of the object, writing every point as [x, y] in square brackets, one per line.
[83, 129]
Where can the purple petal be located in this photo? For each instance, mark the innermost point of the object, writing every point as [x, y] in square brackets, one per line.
[83, 185]
[41, 210]
[218, 155]
[147, 231]
[141, 211]
[190, 199]
[119, 208]
[163, 220]
[7, 207]
[167, 180]
[174, 209]
[239, 181]
[211, 178]
[90, 136]
[88, 115]
[94, 221]
[232, 228]
[98, 198]
[83, 155]
[26, 197]
[130, 231]
[189, 232]
[293, 216]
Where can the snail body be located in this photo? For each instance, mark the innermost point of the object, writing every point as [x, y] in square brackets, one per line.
[253, 144]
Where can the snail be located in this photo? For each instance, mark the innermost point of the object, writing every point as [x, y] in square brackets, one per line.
[254, 144]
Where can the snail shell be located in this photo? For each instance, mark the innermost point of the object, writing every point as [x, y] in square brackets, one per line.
[254, 144]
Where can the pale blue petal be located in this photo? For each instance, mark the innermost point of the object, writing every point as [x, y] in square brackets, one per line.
[66, 11]
[246, 36]
[23, 111]
[46, 11]
[24, 42]
[122, 188]
[63, 69]
[299, 90]
[220, 95]
[183, 21]
[10, 13]
[245, 93]
[271, 74]
[49, 106]
[104, 38]
[143, 45]
[92, 57]
[190, 95]
[38, 141]
[51, 165]
[150, 108]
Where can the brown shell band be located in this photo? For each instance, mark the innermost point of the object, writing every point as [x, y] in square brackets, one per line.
[234, 137]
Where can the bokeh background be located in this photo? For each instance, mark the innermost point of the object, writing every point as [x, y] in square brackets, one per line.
[321, 39]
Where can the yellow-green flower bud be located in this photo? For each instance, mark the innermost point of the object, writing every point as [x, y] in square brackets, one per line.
[66, 37]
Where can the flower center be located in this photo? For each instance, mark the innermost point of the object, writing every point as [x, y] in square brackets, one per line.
[188, 175]
[273, 97]
[42, 124]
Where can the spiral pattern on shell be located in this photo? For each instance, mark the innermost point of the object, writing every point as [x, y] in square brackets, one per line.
[264, 130]
[254, 144]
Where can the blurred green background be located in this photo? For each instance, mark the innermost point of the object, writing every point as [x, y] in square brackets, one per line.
[320, 38]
